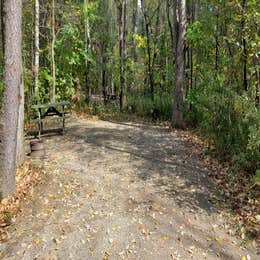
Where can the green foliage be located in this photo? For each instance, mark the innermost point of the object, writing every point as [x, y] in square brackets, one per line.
[98, 108]
[231, 121]
[160, 108]
[8, 215]
[195, 34]
[256, 178]
[141, 41]
[45, 82]
[71, 53]
[90, 10]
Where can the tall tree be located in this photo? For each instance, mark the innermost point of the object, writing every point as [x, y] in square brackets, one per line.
[134, 28]
[151, 42]
[244, 44]
[37, 47]
[87, 44]
[12, 11]
[53, 66]
[120, 20]
[180, 30]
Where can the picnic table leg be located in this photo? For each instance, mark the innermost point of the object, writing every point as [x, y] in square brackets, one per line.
[40, 129]
[39, 124]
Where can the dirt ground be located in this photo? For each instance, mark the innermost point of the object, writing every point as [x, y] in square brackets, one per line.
[122, 190]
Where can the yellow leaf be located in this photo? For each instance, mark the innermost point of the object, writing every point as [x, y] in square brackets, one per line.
[165, 238]
[219, 240]
[21, 234]
[243, 258]
[51, 196]
[37, 241]
[209, 239]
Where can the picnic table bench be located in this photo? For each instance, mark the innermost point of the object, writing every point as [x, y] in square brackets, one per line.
[50, 111]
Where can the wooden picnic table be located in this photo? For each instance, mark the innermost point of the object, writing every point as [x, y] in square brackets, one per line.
[50, 111]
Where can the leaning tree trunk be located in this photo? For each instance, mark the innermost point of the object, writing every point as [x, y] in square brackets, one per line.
[180, 27]
[12, 79]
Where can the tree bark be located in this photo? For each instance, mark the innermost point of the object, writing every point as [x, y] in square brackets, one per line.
[180, 27]
[124, 49]
[87, 48]
[12, 90]
[151, 52]
[134, 28]
[2, 27]
[53, 93]
[20, 154]
[244, 44]
[170, 25]
[120, 9]
[37, 48]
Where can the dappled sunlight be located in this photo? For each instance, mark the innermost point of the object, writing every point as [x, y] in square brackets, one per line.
[131, 190]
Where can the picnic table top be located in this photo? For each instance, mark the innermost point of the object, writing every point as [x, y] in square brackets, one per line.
[64, 103]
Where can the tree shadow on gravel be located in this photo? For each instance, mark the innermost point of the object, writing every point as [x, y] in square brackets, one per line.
[158, 157]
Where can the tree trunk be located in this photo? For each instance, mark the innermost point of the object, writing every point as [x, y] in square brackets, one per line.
[217, 42]
[12, 90]
[103, 61]
[180, 27]
[170, 25]
[53, 93]
[2, 27]
[20, 154]
[87, 48]
[37, 48]
[149, 51]
[124, 50]
[244, 44]
[134, 28]
[121, 51]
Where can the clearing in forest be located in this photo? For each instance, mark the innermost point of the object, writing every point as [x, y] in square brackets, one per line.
[121, 190]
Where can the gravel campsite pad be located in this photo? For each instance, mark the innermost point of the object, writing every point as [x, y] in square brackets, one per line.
[121, 190]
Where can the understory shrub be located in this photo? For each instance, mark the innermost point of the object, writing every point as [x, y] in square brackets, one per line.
[231, 121]
[160, 108]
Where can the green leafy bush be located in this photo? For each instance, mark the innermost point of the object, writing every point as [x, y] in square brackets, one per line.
[231, 121]
[160, 108]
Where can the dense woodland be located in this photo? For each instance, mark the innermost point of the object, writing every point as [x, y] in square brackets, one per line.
[195, 63]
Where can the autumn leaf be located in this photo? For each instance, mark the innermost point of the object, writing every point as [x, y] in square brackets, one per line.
[165, 238]
[37, 241]
[219, 240]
